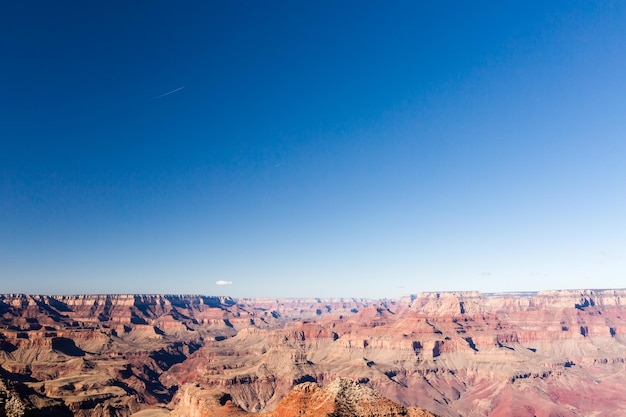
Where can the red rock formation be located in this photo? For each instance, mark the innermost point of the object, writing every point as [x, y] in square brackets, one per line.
[470, 354]
[194, 401]
[453, 353]
[341, 398]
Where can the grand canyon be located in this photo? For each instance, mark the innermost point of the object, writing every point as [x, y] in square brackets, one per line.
[549, 353]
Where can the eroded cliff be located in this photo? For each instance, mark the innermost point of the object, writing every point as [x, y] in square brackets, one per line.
[470, 354]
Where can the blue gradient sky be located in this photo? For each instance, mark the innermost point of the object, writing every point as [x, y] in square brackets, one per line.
[316, 149]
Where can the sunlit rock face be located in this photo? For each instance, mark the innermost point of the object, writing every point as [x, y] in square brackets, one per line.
[341, 398]
[455, 354]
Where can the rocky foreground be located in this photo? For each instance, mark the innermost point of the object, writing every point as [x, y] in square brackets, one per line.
[560, 353]
[341, 398]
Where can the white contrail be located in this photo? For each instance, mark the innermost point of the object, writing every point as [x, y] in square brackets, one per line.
[223, 283]
[168, 93]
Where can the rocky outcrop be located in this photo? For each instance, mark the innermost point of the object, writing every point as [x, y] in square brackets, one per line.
[194, 401]
[341, 398]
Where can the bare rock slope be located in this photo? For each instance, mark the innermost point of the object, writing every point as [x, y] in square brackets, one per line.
[341, 398]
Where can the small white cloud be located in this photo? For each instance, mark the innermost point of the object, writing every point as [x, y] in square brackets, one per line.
[223, 283]
[486, 274]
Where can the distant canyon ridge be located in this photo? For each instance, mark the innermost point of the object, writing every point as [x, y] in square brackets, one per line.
[544, 354]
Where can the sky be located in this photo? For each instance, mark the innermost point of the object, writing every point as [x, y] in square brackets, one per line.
[312, 149]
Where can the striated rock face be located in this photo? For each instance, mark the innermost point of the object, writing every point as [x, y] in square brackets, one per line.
[341, 398]
[455, 354]
[468, 354]
[92, 355]
[195, 401]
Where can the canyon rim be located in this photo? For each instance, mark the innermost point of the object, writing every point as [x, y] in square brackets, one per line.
[451, 353]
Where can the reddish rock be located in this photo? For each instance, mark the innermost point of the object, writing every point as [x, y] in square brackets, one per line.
[470, 354]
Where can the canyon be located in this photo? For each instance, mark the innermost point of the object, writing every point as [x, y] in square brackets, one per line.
[549, 353]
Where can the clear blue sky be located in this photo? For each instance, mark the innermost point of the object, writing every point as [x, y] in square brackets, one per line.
[326, 148]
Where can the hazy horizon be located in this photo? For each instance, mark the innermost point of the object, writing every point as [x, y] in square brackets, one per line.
[451, 292]
[319, 149]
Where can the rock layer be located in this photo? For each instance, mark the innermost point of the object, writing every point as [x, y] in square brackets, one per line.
[341, 398]
[470, 354]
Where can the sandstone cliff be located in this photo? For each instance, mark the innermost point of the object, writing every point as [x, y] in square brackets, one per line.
[341, 398]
